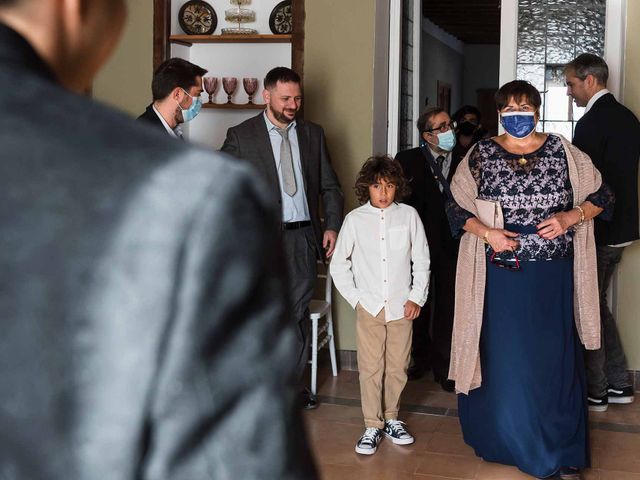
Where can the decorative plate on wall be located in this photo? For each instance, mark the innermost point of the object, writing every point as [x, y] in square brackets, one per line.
[197, 18]
[281, 19]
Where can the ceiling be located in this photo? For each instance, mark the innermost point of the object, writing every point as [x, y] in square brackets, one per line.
[470, 21]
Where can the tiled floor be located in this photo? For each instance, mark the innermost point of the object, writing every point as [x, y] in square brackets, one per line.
[439, 452]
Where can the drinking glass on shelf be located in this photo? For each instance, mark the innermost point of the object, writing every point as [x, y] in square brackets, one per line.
[250, 86]
[210, 86]
[229, 84]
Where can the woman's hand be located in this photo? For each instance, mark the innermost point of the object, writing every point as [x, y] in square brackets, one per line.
[501, 240]
[558, 224]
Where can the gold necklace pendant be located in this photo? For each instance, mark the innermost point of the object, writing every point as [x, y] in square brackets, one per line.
[523, 161]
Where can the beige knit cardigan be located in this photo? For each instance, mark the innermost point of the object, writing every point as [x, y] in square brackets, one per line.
[470, 275]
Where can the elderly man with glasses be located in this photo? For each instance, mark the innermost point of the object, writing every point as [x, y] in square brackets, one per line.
[429, 169]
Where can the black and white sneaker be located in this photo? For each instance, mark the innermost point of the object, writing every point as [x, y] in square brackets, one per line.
[368, 443]
[620, 395]
[598, 404]
[397, 432]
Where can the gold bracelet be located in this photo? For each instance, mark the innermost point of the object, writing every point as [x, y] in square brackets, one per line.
[485, 237]
[581, 215]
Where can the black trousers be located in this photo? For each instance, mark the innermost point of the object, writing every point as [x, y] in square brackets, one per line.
[300, 259]
[431, 346]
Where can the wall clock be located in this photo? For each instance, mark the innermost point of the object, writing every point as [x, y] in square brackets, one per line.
[197, 18]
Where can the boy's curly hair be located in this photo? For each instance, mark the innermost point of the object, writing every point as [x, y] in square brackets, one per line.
[381, 167]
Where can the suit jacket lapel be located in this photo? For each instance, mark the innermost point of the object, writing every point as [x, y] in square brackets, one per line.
[302, 133]
[263, 144]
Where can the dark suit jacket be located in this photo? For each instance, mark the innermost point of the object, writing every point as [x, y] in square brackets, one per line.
[429, 202]
[152, 118]
[610, 134]
[250, 141]
[143, 327]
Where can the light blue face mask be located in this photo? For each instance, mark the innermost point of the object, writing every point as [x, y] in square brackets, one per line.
[193, 111]
[447, 140]
[518, 124]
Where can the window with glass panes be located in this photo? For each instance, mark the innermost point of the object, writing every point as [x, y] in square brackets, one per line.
[551, 33]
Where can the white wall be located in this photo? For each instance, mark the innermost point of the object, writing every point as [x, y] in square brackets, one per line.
[441, 59]
[481, 70]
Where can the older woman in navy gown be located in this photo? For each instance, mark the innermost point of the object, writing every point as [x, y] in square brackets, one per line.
[526, 292]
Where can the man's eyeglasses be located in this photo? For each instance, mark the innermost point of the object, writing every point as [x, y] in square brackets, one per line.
[443, 127]
[504, 264]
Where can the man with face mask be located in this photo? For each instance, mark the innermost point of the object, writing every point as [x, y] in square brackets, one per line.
[144, 330]
[429, 169]
[469, 130]
[176, 89]
[291, 154]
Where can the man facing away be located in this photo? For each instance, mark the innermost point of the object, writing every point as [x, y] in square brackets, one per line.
[176, 89]
[429, 170]
[144, 332]
[610, 134]
[291, 155]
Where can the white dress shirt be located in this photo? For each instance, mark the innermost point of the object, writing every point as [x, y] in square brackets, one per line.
[382, 259]
[595, 98]
[294, 208]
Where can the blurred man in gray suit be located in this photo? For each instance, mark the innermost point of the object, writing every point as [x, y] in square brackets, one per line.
[291, 154]
[144, 333]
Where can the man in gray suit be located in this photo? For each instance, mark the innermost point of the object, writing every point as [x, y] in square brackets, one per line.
[144, 332]
[291, 154]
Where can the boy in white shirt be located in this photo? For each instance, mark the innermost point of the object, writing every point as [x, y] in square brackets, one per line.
[381, 267]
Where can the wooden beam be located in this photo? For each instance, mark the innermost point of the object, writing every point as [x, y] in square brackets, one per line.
[161, 31]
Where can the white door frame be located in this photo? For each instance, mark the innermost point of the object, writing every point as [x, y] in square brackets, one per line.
[395, 59]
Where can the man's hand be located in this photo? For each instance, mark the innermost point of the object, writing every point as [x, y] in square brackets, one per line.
[411, 310]
[329, 242]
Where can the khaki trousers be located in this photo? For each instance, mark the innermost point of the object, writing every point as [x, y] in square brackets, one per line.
[384, 351]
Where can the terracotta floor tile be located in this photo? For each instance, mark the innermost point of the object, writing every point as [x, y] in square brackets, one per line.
[448, 465]
[439, 452]
[450, 444]
[624, 461]
[417, 476]
[335, 413]
[591, 474]
[612, 475]
[495, 471]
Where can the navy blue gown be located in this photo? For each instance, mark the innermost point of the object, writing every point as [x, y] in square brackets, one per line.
[530, 410]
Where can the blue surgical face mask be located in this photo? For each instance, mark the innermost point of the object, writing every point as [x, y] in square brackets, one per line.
[518, 124]
[191, 112]
[447, 140]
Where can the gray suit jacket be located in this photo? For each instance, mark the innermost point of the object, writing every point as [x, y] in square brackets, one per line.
[144, 332]
[250, 141]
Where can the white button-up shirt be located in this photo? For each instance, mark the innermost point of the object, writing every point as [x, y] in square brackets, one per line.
[382, 259]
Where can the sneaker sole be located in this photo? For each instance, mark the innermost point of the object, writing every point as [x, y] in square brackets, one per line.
[399, 441]
[363, 451]
[598, 408]
[623, 400]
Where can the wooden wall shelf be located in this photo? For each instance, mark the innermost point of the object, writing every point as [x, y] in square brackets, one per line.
[235, 106]
[189, 40]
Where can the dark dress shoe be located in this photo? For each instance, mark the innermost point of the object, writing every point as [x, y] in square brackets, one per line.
[446, 384]
[308, 400]
[569, 473]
